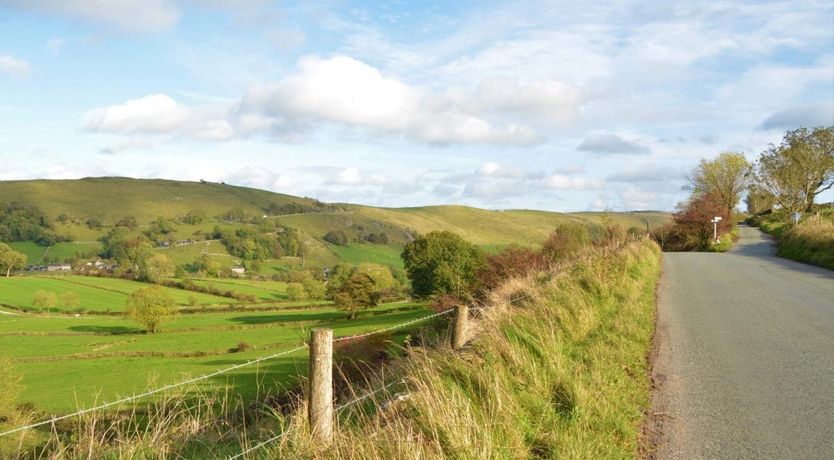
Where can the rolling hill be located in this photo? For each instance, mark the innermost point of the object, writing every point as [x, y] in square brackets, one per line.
[109, 199]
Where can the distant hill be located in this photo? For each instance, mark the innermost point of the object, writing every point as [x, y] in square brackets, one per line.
[109, 199]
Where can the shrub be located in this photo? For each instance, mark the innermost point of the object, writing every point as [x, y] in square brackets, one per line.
[510, 263]
[44, 300]
[295, 291]
[567, 240]
[243, 346]
[337, 237]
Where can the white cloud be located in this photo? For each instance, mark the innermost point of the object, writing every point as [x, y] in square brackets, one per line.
[16, 67]
[353, 176]
[611, 144]
[566, 182]
[132, 15]
[161, 115]
[153, 114]
[346, 91]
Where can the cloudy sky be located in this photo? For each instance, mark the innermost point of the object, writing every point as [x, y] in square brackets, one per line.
[550, 105]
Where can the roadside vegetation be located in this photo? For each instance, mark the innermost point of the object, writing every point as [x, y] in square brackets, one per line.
[780, 191]
[782, 202]
[559, 346]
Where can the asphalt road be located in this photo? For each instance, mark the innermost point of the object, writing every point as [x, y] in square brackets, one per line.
[744, 361]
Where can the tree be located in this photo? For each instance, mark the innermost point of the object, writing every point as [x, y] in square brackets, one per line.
[357, 292]
[295, 291]
[11, 259]
[314, 288]
[726, 177]
[441, 263]
[758, 200]
[151, 306]
[337, 237]
[778, 173]
[44, 299]
[692, 220]
[157, 267]
[383, 279]
[70, 300]
[195, 216]
[811, 154]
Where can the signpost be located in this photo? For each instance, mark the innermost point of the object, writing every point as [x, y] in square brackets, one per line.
[715, 220]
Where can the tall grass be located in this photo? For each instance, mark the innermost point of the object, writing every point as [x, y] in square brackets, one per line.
[556, 368]
[812, 241]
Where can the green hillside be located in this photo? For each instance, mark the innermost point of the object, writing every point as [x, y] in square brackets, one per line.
[109, 199]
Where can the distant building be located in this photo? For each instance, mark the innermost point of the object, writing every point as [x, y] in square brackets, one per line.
[59, 268]
[240, 271]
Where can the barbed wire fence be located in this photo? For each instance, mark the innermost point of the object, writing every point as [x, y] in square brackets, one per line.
[209, 375]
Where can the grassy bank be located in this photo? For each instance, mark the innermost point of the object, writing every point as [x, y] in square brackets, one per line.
[558, 369]
[811, 241]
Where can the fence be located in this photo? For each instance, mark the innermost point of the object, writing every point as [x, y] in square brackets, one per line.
[323, 375]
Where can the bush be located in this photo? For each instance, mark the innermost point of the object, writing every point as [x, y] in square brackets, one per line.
[44, 300]
[512, 262]
[567, 240]
[337, 237]
[151, 306]
[295, 291]
[243, 346]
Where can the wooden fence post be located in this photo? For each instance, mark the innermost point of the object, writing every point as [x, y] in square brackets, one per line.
[461, 323]
[320, 395]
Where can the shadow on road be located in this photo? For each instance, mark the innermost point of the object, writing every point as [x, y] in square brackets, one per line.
[757, 244]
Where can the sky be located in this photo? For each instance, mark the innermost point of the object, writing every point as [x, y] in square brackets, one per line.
[564, 106]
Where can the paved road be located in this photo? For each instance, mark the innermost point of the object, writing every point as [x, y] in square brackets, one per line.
[745, 358]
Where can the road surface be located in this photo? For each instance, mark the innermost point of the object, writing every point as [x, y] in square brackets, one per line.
[744, 362]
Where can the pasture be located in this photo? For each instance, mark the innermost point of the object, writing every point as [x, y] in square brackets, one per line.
[356, 254]
[95, 294]
[70, 362]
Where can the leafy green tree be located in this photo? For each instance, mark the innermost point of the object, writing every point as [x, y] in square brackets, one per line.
[44, 299]
[338, 275]
[725, 177]
[295, 291]
[157, 267]
[11, 259]
[70, 300]
[357, 292]
[195, 216]
[441, 263]
[758, 199]
[151, 306]
[337, 237]
[800, 168]
[128, 222]
[314, 288]
[131, 251]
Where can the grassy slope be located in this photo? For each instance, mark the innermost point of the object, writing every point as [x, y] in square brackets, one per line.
[56, 385]
[114, 198]
[561, 374]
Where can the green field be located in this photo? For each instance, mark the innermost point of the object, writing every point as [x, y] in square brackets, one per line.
[70, 362]
[263, 290]
[95, 294]
[356, 253]
[60, 251]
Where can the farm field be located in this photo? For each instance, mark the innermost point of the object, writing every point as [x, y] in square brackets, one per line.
[95, 294]
[71, 362]
[58, 252]
[356, 253]
[263, 290]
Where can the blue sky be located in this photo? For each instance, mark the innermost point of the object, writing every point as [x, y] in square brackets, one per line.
[550, 105]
